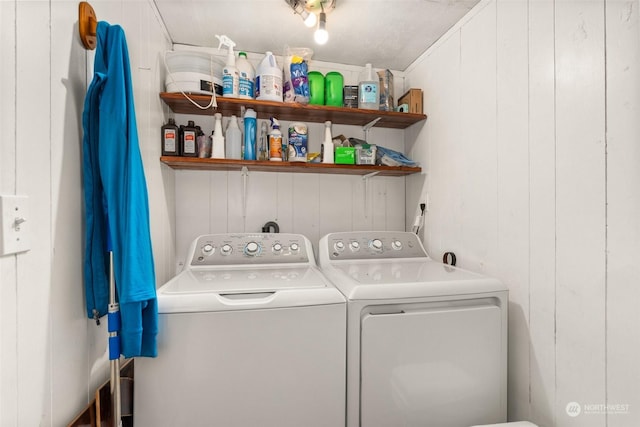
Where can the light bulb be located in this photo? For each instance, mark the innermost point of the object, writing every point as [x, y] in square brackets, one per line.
[309, 18]
[321, 35]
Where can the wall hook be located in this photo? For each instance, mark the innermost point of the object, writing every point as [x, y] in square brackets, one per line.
[87, 24]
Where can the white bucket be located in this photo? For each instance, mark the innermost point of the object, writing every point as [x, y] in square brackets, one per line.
[193, 72]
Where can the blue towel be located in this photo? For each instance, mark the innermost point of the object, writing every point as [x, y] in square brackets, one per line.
[116, 200]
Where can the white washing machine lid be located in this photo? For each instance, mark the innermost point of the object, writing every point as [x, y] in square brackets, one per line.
[405, 278]
[241, 288]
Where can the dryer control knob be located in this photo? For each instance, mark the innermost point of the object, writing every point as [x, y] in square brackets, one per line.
[339, 246]
[294, 247]
[397, 245]
[252, 249]
[207, 249]
[277, 248]
[226, 249]
[376, 244]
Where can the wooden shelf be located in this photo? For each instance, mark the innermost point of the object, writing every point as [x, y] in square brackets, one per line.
[194, 163]
[291, 112]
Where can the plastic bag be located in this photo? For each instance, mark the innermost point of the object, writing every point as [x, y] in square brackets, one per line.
[296, 74]
[389, 157]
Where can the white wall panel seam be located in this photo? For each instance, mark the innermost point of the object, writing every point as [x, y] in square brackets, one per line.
[606, 221]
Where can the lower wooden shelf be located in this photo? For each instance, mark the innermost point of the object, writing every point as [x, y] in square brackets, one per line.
[195, 163]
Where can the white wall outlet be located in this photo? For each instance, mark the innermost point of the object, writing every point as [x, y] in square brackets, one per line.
[14, 231]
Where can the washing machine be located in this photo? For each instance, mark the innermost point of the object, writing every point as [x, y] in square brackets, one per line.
[250, 334]
[426, 342]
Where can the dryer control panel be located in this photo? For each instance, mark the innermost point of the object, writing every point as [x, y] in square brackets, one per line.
[369, 245]
[250, 248]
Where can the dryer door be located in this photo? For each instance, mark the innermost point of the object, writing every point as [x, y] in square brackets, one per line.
[433, 365]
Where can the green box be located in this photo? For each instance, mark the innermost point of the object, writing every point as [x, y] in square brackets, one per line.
[345, 156]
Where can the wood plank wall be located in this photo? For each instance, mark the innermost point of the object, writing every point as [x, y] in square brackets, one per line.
[531, 153]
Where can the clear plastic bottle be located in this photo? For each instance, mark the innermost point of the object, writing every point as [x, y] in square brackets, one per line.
[233, 140]
[327, 145]
[247, 77]
[369, 90]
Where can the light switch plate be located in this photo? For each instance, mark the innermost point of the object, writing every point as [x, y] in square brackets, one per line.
[15, 227]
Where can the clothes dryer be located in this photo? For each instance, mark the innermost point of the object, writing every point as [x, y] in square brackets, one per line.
[251, 334]
[426, 342]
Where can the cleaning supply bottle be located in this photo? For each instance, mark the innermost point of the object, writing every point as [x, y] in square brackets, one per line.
[250, 130]
[369, 90]
[170, 142]
[269, 79]
[230, 75]
[233, 139]
[247, 76]
[217, 139]
[188, 143]
[327, 145]
[275, 141]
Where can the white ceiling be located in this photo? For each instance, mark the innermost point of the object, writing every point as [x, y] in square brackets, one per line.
[386, 33]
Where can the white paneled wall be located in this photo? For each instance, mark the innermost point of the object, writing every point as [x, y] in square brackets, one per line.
[531, 159]
[51, 357]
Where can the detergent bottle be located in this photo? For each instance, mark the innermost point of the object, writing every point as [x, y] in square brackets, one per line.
[269, 79]
[369, 90]
[230, 74]
[247, 76]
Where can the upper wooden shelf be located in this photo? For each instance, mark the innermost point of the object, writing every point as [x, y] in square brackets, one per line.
[291, 112]
[194, 163]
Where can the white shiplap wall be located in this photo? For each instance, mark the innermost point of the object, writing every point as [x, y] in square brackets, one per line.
[51, 357]
[531, 161]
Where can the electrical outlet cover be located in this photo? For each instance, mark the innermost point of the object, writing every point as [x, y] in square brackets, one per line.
[14, 230]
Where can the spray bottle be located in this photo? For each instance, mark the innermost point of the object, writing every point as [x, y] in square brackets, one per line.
[327, 145]
[230, 74]
[275, 141]
[217, 139]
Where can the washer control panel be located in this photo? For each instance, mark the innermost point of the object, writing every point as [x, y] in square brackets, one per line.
[249, 248]
[368, 245]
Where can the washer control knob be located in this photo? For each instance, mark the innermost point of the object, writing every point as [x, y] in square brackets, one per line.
[339, 246]
[252, 249]
[207, 249]
[294, 247]
[397, 245]
[226, 249]
[277, 248]
[376, 244]
[355, 246]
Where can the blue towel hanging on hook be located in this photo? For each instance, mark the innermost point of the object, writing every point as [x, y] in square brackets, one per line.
[116, 199]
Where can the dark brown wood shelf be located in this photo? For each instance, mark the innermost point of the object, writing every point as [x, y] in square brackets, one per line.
[291, 112]
[194, 163]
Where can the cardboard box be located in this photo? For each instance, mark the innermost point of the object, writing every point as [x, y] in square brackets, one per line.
[345, 156]
[413, 98]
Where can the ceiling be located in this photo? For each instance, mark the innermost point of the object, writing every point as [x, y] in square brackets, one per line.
[386, 33]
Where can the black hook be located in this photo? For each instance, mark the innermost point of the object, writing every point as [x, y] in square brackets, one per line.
[271, 225]
[449, 258]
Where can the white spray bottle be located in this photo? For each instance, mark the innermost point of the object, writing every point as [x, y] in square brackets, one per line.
[327, 145]
[217, 139]
[230, 73]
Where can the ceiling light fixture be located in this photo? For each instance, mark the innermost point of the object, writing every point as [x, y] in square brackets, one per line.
[321, 36]
[307, 9]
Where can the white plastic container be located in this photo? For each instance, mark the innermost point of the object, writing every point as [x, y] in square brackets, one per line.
[217, 139]
[193, 72]
[275, 141]
[369, 90]
[269, 79]
[230, 74]
[233, 139]
[247, 74]
[327, 145]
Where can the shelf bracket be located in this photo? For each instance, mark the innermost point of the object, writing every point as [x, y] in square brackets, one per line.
[366, 128]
